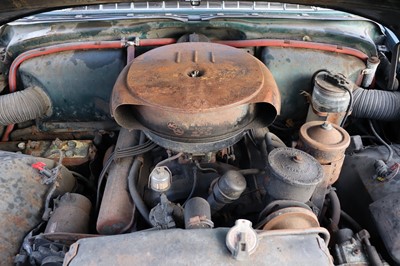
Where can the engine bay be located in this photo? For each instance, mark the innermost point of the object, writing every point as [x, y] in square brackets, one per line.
[215, 142]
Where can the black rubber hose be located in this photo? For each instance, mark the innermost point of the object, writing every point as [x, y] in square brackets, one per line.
[273, 141]
[353, 223]
[22, 106]
[373, 256]
[348, 106]
[137, 199]
[193, 186]
[376, 104]
[390, 155]
[335, 204]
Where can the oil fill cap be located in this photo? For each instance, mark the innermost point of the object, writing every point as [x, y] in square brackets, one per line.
[242, 240]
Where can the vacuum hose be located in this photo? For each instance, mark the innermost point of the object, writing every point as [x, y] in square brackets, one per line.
[376, 104]
[22, 106]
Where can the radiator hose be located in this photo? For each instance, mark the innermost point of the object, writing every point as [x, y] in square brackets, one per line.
[25, 105]
[376, 104]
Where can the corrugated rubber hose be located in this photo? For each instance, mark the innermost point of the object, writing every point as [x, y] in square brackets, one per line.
[22, 106]
[376, 104]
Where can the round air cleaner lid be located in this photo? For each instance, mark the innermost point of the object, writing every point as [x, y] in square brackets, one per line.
[192, 77]
[195, 97]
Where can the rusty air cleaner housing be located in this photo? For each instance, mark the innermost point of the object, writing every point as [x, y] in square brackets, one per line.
[195, 97]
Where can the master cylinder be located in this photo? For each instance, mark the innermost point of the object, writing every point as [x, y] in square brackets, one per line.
[331, 99]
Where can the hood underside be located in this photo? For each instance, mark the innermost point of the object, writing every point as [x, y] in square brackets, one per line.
[385, 11]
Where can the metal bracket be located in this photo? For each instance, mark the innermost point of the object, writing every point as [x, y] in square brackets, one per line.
[134, 42]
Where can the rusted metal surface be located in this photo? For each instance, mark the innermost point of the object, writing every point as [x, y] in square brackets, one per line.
[22, 199]
[335, 118]
[71, 214]
[68, 130]
[35, 134]
[200, 247]
[196, 77]
[76, 152]
[117, 210]
[292, 174]
[195, 91]
[327, 143]
[291, 218]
